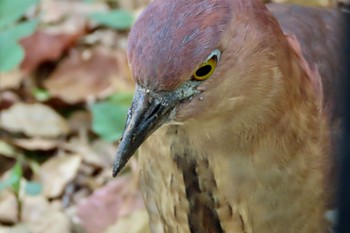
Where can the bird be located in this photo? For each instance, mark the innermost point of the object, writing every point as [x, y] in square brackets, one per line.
[235, 115]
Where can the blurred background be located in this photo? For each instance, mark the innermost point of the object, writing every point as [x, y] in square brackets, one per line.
[65, 88]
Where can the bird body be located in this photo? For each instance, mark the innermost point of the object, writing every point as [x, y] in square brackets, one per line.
[247, 149]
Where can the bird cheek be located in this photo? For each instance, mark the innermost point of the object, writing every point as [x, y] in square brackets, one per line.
[192, 108]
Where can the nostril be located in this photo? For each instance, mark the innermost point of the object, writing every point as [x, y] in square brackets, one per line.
[154, 112]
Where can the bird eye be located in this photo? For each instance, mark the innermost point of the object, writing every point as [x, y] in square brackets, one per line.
[207, 68]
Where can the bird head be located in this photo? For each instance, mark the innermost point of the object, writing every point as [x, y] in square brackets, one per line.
[194, 60]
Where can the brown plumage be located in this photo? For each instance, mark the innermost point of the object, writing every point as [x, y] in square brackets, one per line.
[248, 149]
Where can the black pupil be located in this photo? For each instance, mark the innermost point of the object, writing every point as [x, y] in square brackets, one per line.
[203, 71]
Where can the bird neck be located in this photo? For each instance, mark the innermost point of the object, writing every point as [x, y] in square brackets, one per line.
[273, 158]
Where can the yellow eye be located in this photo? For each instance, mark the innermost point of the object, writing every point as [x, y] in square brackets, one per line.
[206, 69]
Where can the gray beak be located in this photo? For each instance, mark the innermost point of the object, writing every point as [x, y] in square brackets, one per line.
[149, 110]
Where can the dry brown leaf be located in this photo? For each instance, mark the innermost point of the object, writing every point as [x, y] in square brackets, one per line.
[81, 147]
[7, 150]
[36, 143]
[8, 156]
[55, 10]
[53, 222]
[19, 228]
[8, 207]
[137, 222]
[34, 120]
[124, 82]
[83, 75]
[11, 80]
[105, 150]
[57, 172]
[34, 207]
[133, 5]
[88, 182]
[43, 46]
[118, 198]
[7, 99]
[80, 120]
[105, 37]
[99, 153]
[40, 217]
[79, 195]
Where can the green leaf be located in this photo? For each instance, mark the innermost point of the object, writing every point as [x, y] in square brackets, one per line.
[3, 186]
[41, 94]
[10, 56]
[11, 53]
[12, 10]
[123, 98]
[15, 177]
[117, 19]
[33, 188]
[18, 31]
[6, 183]
[108, 118]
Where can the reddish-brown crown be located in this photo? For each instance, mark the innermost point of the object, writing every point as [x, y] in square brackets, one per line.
[173, 37]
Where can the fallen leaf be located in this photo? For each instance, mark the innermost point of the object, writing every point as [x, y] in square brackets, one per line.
[108, 117]
[116, 19]
[82, 147]
[105, 150]
[88, 182]
[11, 11]
[33, 188]
[8, 156]
[43, 46]
[87, 74]
[79, 195]
[34, 120]
[36, 143]
[12, 179]
[105, 37]
[7, 99]
[79, 120]
[136, 222]
[98, 153]
[34, 207]
[11, 80]
[8, 207]
[54, 11]
[57, 172]
[118, 198]
[11, 53]
[132, 5]
[19, 228]
[40, 217]
[7, 150]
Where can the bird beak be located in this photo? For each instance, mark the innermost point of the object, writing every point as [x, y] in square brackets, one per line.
[149, 110]
[147, 113]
